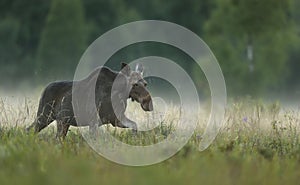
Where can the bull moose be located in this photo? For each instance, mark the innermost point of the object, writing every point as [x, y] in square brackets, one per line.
[56, 100]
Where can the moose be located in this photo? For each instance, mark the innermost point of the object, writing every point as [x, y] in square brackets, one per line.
[111, 91]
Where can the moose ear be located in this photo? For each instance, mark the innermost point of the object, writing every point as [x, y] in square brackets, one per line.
[139, 68]
[125, 69]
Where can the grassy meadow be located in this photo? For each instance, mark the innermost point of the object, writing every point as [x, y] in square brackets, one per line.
[259, 144]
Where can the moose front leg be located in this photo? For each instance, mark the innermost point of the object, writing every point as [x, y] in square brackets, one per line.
[127, 123]
[93, 130]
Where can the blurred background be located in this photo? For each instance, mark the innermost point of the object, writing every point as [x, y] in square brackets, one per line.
[256, 42]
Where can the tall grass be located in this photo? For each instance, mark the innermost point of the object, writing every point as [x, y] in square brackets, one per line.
[259, 144]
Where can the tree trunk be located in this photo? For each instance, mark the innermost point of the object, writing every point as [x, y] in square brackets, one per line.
[250, 53]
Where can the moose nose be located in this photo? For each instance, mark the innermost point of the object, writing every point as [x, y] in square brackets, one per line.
[150, 106]
[147, 104]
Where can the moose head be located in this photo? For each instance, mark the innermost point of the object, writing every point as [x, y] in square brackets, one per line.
[137, 85]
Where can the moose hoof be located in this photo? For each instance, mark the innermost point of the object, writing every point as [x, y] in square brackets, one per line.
[134, 132]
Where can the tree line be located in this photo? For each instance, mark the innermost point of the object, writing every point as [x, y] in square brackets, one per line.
[255, 41]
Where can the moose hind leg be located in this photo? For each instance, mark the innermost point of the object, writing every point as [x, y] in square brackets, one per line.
[62, 130]
[43, 121]
[45, 116]
[40, 123]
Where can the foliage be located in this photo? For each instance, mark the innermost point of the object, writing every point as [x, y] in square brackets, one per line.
[43, 40]
[21, 26]
[262, 25]
[259, 143]
[63, 39]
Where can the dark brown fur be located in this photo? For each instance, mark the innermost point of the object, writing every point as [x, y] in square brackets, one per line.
[56, 100]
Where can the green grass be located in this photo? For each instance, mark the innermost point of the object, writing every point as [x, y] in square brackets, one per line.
[259, 144]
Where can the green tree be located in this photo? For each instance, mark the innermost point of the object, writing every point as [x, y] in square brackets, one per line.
[9, 49]
[292, 83]
[20, 27]
[250, 39]
[63, 40]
